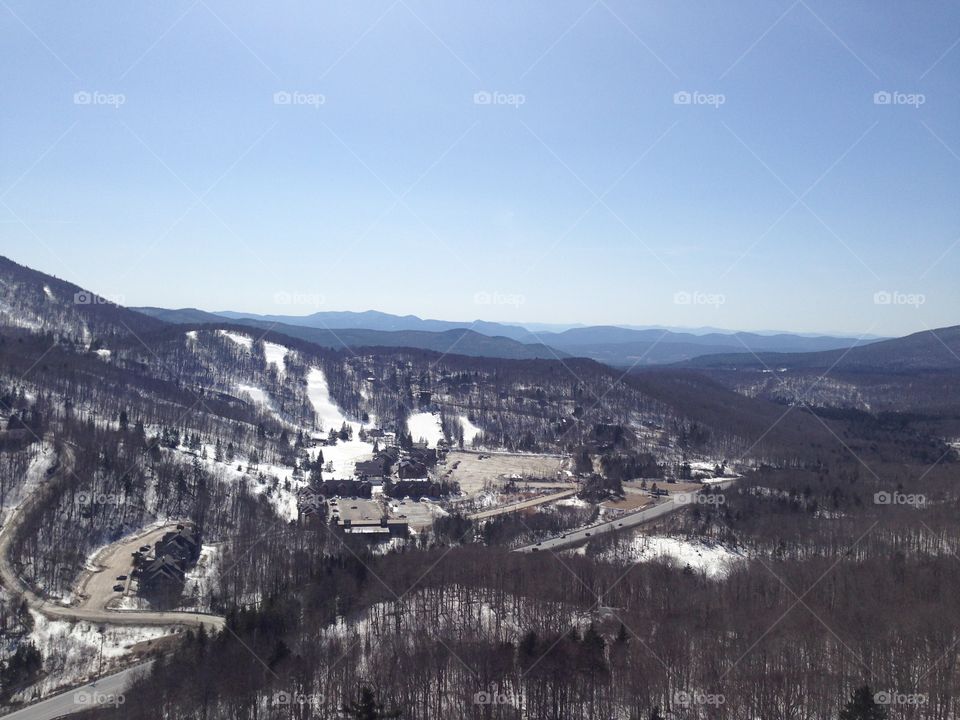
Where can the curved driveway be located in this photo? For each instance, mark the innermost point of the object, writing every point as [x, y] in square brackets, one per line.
[12, 581]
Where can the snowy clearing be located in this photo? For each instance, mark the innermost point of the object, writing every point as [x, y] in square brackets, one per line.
[426, 427]
[201, 581]
[329, 415]
[343, 456]
[276, 355]
[470, 431]
[239, 339]
[259, 395]
[714, 560]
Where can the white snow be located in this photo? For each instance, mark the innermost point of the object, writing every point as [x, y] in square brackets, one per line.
[239, 339]
[258, 394]
[343, 456]
[191, 334]
[71, 651]
[714, 560]
[35, 475]
[470, 431]
[425, 426]
[49, 292]
[276, 355]
[573, 502]
[201, 581]
[329, 415]
[104, 354]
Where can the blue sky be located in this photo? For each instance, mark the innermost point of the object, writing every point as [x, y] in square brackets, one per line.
[724, 164]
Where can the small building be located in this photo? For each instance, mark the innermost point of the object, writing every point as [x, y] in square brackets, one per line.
[162, 574]
[410, 469]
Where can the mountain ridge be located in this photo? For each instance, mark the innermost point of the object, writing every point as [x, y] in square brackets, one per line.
[610, 344]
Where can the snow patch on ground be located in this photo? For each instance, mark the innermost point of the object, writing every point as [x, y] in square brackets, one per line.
[573, 502]
[191, 334]
[276, 355]
[201, 582]
[343, 456]
[329, 416]
[470, 431]
[49, 292]
[71, 651]
[259, 395]
[714, 560]
[239, 339]
[104, 354]
[425, 426]
[36, 474]
[276, 482]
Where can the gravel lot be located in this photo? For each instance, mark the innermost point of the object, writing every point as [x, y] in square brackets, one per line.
[472, 472]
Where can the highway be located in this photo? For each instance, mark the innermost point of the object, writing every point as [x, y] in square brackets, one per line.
[107, 691]
[669, 504]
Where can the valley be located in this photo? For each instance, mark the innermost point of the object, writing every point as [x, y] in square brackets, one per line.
[191, 485]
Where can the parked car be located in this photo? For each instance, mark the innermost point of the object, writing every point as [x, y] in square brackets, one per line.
[121, 577]
[118, 588]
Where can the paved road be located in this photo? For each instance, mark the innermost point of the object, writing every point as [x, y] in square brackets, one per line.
[574, 537]
[107, 690]
[533, 502]
[669, 504]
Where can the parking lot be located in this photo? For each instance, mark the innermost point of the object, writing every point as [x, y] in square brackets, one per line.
[96, 590]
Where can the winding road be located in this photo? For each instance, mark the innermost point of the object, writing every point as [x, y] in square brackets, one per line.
[91, 609]
[12, 581]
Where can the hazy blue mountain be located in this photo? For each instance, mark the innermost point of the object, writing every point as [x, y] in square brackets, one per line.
[937, 349]
[611, 344]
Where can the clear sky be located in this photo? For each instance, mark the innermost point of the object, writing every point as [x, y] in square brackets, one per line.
[676, 163]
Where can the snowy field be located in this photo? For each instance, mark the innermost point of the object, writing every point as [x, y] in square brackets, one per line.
[470, 431]
[242, 340]
[276, 355]
[425, 427]
[343, 456]
[712, 559]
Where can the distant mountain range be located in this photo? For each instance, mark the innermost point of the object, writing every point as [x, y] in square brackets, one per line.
[937, 349]
[613, 345]
[40, 302]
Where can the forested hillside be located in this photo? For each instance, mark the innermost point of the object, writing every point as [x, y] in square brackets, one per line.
[840, 526]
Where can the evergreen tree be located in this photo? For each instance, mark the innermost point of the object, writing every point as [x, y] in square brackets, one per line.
[863, 706]
[367, 707]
